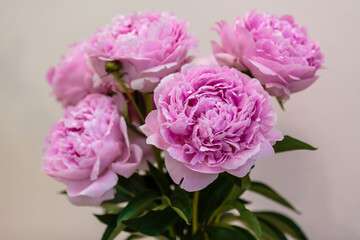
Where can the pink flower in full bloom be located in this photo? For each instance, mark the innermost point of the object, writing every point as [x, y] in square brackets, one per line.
[277, 51]
[72, 79]
[88, 147]
[210, 120]
[148, 45]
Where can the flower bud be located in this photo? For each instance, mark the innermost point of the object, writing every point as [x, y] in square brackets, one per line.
[112, 66]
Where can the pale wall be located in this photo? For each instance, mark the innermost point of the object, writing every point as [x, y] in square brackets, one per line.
[322, 184]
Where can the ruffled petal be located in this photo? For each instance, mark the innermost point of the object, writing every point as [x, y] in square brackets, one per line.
[191, 180]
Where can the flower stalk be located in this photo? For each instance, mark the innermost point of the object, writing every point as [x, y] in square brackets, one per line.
[195, 213]
[128, 94]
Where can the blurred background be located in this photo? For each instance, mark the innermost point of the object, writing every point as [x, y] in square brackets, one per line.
[323, 185]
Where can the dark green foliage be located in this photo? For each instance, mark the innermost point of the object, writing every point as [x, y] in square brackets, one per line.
[152, 205]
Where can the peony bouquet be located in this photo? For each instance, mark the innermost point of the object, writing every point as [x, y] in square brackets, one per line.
[164, 144]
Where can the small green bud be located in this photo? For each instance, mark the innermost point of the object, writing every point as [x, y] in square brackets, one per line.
[112, 66]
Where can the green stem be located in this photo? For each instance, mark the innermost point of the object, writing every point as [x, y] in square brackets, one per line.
[280, 101]
[195, 213]
[148, 102]
[172, 232]
[127, 92]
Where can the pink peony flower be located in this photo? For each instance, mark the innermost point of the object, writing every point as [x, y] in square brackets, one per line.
[72, 79]
[210, 120]
[275, 50]
[88, 147]
[149, 46]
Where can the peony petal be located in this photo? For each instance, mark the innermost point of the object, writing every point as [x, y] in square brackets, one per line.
[266, 150]
[90, 188]
[67, 174]
[145, 84]
[88, 201]
[243, 170]
[262, 68]
[152, 130]
[299, 85]
[162, 70]
[274, 135]
[148, 151]
[126, 169]
[191, 181]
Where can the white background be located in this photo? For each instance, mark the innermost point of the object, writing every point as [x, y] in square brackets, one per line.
[324, 184]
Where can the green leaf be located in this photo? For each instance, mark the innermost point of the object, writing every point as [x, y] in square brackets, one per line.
[161, 179]
[213, 196]
[270, 232]
[160, 207]
[290, 144]
[248, 218]
[180, 202]
[268, 192]
[244, 232]
[154, 222]
[244, 182]
[63, 192]
[222, 232]
[137, 204]
[283, 223]
[108, 219]
[228, 217]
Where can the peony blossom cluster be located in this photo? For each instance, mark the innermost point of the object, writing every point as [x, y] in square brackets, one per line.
[88, 147]
[149, 46]
[210, 117]
[277, 51]
[210, 120]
